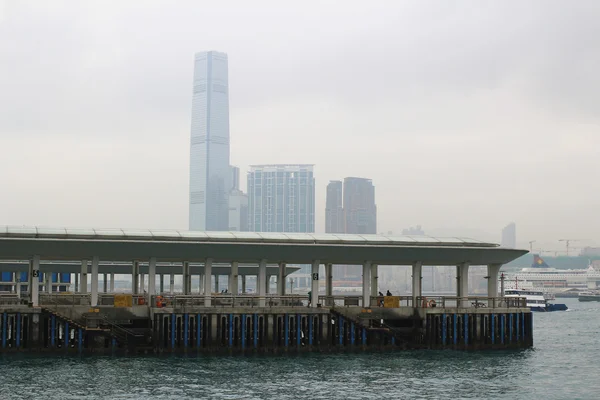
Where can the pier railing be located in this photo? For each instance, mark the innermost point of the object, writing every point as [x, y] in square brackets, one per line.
[448, 302]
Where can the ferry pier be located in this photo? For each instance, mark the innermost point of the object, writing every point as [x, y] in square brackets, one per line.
[42, 310]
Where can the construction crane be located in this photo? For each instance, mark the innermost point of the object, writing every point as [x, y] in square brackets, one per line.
[568, 241]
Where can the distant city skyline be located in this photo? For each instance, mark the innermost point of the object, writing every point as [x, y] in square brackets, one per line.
[509, 236]
[334, 210]
[360, 211]
[210, 172]
[281, 198]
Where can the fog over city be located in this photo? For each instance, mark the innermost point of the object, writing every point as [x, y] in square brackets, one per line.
[466, 115]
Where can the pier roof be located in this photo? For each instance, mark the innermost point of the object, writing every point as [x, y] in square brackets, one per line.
[21, 242]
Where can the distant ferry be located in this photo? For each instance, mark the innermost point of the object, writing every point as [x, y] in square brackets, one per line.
[541, 276]
[535, 300]
[589, 295]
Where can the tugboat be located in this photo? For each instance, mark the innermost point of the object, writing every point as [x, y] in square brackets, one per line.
[589, 295]
[535, 300]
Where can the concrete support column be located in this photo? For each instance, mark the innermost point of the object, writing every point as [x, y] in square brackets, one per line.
[207, 287]
[268, 284]
[261, 282]
[142, 283]
[151, 278]
[172, 284]
[417, 271]
[462, 283]
[243, 284]
[329, 283]
[233, 278]
[366, 282]
[112, 282]
[281, 279]
[84, 273]
[216, 283]
[201, 284]
[34, 281]
[135, 277]
[48, 282]
[105, 283]
[161, 283]
[186, 277]
[374, 280]
[95, 263]
[18, 286]
[76, 282]
[314, 286]
[493, 270]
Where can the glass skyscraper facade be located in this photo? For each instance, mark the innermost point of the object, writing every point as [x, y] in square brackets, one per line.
[360, 211]
[281, 198]
[210, 174]
[334, 211]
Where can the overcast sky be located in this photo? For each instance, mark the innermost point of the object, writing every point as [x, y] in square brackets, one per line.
[466, 114]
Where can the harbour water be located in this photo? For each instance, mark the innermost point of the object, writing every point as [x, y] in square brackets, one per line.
[563, 364]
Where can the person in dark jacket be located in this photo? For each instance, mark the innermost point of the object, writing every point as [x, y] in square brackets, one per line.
[388, 293]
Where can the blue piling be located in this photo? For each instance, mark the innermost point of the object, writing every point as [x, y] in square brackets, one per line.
[243, 322]
[517, 327]
[502, 317]
[352, 333]
[510, 327]
[52, 330]
[298, 330]
[186, 319]
[18, 330]
[493, 333]
[230, 330]
[173, 321]
[444, 329]
[523, 326]
[310, 330]
[364, 336]
[255, 331]
[466, 332]
[286, 325]
[455, 339]
[80, 340]
[4, 329]
[198, 330]
[341, 331]
[66, 333]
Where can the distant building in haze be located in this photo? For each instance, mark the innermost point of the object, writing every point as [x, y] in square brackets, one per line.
[509, 236]
[281, 198]
[413, 230]
[334, 210]
[360, 212]
[210, 173]
[238, 211]
[235, 177]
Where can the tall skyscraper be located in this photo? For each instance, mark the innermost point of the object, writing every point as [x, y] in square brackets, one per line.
[281, 198]
[210, 174]
[509, 236]
[235, 178]
[360, 212]
[334, 211]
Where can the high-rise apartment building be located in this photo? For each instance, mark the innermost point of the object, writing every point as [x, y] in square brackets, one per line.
[334, 211]
[509, 236]
[360, 212]
[210, 173]
[281, 198]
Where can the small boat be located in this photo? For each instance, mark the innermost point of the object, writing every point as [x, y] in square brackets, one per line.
[589, 295]
[535, 300]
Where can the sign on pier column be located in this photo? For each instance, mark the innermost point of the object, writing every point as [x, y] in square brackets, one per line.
[281, 279]
[233, 278]
[95, 263]
[329, 283]
[135, 277]
[493, 270]
[84, 274]
[151, 278]
[366, 289]
[314, 287]
[374, 280]
[262, 282]
[207, 275]
[462, 283]
[34, 281]
[172, 284]
[417, 270]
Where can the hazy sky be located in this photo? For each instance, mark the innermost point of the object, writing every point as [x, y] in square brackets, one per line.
[466, 114]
